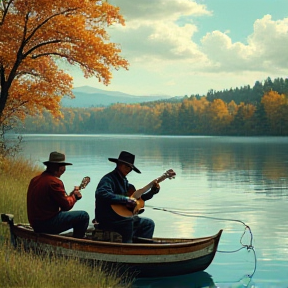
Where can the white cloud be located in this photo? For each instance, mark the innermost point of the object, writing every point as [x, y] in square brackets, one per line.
[270, 38]
[265, 50]
[152, 33]
[158, 10]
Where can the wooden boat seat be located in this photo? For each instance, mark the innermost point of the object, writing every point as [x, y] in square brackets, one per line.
[95, 233]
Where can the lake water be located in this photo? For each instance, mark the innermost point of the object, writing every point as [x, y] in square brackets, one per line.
[221, 183]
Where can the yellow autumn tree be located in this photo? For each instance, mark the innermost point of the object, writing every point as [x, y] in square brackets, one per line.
[37, 35]
[232, 108]
[219, 114]
[276, 107]
[246, 110]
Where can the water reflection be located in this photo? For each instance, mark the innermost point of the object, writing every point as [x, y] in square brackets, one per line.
[195, 280]
[259, 160]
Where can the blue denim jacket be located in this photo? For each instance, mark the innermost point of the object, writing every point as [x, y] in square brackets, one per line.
[112, 189]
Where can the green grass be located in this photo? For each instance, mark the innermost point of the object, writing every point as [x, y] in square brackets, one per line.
[26, 269]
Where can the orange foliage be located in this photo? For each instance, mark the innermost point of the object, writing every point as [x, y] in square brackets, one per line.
[219, 111]
[200, 105]
[35, 34]
[246, 110]
[232, 108]
[272, 101]
[276, 107]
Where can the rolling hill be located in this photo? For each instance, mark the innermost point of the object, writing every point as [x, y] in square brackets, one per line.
[87, 96]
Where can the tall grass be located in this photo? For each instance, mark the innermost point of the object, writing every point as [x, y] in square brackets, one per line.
[23, 269]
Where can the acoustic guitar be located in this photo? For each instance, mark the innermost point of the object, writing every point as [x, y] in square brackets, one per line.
[124, 211]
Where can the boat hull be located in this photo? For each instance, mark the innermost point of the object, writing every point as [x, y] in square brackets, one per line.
[164, 257]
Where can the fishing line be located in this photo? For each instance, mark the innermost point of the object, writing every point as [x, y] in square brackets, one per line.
[249, 247]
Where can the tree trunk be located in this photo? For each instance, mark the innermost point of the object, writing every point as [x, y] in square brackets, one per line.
[3, 92]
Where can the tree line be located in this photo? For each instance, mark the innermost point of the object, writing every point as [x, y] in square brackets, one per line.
[195, 115]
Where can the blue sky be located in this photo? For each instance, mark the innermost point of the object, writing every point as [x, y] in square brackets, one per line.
[184, 47]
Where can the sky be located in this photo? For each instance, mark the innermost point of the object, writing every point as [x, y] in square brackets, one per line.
[187, 47]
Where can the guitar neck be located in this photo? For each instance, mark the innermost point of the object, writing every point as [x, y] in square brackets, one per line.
[137, 194]
[84, 183]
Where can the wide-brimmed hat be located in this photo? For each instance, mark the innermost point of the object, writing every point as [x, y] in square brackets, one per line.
[56, 158]
[126, 158]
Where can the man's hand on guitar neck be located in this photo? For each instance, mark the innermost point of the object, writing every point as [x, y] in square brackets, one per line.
[155, 188]
[76, 192]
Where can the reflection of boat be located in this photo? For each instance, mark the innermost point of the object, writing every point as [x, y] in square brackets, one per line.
[193, 280]
[159, 257]
[200, 279]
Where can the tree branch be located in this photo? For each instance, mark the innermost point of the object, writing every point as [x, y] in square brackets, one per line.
[68, 11]
[5, 10]
[40, 45]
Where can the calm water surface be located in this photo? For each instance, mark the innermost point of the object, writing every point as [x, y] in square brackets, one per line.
[221, 183]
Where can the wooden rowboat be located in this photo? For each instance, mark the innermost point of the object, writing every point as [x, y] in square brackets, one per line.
[157, 257]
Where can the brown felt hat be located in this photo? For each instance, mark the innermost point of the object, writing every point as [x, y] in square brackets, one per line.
[126, 158]
[56, 158]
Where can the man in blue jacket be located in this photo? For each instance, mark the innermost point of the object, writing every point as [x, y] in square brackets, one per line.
[113, 189]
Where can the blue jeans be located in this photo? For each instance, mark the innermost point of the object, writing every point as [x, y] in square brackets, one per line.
[64, 220]
[131, 227]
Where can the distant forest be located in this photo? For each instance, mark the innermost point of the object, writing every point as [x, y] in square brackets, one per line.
[258, 110]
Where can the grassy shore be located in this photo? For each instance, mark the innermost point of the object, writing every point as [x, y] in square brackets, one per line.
[22, 269]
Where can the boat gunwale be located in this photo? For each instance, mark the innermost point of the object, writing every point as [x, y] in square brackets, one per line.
[184, 242]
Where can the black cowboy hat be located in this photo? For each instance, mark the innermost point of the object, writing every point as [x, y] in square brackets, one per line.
[126, 158]
[56, 158]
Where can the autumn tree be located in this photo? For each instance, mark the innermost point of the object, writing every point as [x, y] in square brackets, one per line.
[218, 115]
[232, 108]
[37, 37]
[276, 108]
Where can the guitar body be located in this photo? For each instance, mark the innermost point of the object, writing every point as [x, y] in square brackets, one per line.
[122, 210]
